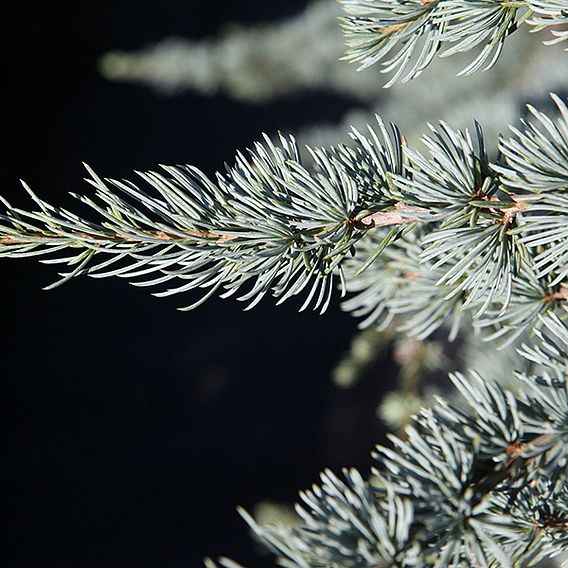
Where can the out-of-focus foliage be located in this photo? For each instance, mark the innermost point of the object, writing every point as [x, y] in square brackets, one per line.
[252, 64]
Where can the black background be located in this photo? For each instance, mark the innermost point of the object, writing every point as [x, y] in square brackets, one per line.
[131, 431]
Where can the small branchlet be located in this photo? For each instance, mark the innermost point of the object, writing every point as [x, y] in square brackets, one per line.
[405, 36]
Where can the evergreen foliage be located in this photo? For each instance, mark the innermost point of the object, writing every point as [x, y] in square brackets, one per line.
[462, 234]
[482, 485]
[457, 233]
[254, 63]
[405, 36]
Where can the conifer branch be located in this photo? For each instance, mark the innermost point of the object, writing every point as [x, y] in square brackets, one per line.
[405, 36]
[468, 487]
[488, 238]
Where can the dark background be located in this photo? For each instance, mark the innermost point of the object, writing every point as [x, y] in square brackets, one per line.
[131, 431]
